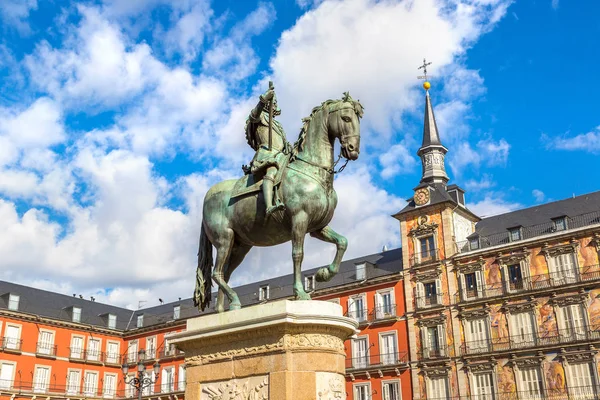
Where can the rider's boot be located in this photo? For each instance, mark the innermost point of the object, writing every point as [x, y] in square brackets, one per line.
[268, 183]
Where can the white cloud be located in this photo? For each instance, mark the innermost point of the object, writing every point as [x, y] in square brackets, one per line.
[187, 35]
[15, 12]
[589, 142]
[538, 195]
[397, 160]
[494, 152]
[554, 4]
[463, 156]
[486, 182]
[493, 204]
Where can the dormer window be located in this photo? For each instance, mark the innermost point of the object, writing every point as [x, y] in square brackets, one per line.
[515, 234]
[140, 321]
[361, 272]
[263, 293]
[560, 224]
[112, 321]
[177, 312]
[309, 283]
[76, 314]
[13, 302]
[474, 243]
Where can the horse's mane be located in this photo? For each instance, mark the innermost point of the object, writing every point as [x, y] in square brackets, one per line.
[299, 144]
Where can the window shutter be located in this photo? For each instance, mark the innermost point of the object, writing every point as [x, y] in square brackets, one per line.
[462, 285]
[442, 339]
[578, 321]
[348, 306]
[425, 342]
[378, 306]
[438, 290]
[479, 282]
[420, 295]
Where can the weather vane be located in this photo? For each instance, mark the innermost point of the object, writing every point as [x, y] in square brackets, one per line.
[426, 84]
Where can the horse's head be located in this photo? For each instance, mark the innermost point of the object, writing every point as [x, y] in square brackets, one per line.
[344, 124]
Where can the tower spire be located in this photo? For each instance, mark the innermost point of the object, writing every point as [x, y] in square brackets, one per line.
[432, 152]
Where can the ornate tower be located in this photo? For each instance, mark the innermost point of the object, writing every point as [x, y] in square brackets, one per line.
[432, 152]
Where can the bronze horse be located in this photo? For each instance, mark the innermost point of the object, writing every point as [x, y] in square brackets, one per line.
[235, 225]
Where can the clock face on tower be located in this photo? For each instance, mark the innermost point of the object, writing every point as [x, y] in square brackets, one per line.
[421, 196]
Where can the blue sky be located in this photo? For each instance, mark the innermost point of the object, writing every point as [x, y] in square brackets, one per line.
[116, 117]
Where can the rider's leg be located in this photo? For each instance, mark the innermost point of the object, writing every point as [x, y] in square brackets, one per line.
[268, 183]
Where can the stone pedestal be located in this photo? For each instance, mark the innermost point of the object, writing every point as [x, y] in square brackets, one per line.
[285, 350]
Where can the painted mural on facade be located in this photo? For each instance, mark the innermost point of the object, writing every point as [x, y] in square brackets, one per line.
[499, 323]
[546, 318]
[554, 374]
[594, 309]
[507, 387]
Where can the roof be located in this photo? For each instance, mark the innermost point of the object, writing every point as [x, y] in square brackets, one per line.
[438, 194]
[55, 305]
[430, 131]
[540, 214]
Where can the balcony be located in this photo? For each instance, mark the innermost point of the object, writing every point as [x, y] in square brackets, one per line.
[529, 232]
[112, 358]
[93, 356]
[383, 313]
[9, 344]
[435, 352]
[377, 361]
[360, 315]
[560, 337]
[431, 301]
[171, 351]
[76, 354]
[44, 349]
[425, 257]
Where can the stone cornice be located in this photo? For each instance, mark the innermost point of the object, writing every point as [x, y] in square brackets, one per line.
[562, 301]
[515, 308]
[436, 370]
[486, 366]
[471, 267]
[512, 258]
[553, 251]
[423, 229]
[474, 314]
[582, 356]
[432, 321]
[430, 275]
[527, 361]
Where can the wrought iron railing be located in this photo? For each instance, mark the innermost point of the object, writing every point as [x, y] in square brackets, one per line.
[76, 353]
[170, 351]
[10, 343]
[45, 349]
[93, 355]
[440, 351]
[360, 315]
[528, 232]
[112, 358]
[433, 300]
[377, 360]
[515, 342]
[536, 282]
[565, 393]
[381, 313]
[425, 257]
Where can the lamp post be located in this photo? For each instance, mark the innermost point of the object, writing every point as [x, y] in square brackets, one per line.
[140, 382]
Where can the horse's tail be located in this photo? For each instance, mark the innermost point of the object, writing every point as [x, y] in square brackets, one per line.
[203, 291]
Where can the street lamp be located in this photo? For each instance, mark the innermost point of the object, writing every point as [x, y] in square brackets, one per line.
[140, 382]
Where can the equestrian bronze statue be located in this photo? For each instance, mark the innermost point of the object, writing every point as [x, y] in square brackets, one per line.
[286, 193]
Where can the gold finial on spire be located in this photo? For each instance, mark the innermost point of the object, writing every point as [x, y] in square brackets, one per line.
[426, 84]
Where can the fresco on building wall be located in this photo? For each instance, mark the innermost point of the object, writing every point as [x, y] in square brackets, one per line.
[588, 256]
[506, 383]
[432, 219]
[546, 318]
[492, 275]
[537, 264]
[594, 309]
[453, 382]
[555, 378]
[449, 336]
[498, 322]
[422, 387]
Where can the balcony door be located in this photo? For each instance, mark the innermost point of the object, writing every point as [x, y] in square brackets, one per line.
[11, 337]
[77, 347]
[581, 381]
[564, 269]
[572, 323]
[522, 331]
[384, 305]
[360, 348]
[477, 336]
[389, 351]
[46, 344]
[484, 387]
[531, 385]
[7, 371]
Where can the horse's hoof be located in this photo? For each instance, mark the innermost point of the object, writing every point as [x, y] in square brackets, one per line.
[304, 296]
[235, 306]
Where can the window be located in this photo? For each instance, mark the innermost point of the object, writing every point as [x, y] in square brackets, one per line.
[360, 349]
[77, 347]
[112, 321]
[391, 391]
[477, 335]
[151, 347]
[522, 331]
[263, 293]
[581, 381]
[427, 248]
[515, 234]
[434, 341]
[471, 285]
[13, 302]
[389, 350]
[384, 304]
[474, 243]
[531, 384]
[73, 379]
[167, 384]
[129, 389]
[362, 392]
[560, 224]
[515, 277]
[483, 387]
[563, 269]
[176, 312]
[361, 272]
[110, 384]
[140, 321]
[132, 351]
[429, 293]
[45, 343]
[148, 390]
[93, 350]
[437, 388]
[181, 378]
[112, 352]
[7, 374]
[12, 335]
[571, 323]
[357, 308]
[309, 283]
[90, 383]
[41, 379]
[76, 314]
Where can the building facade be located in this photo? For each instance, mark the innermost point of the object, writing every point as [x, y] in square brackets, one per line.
[505, 307]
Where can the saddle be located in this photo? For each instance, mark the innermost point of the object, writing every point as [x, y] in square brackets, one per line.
[251, 183]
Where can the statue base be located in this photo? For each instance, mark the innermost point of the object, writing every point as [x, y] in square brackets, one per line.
[284, 350]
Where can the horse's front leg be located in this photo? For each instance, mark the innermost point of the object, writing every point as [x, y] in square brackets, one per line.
[299, 228]
[327, 234]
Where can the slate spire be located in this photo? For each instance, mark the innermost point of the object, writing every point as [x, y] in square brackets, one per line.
[432, 152]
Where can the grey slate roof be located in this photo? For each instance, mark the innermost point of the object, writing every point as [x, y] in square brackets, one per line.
[438, 194]
[430, 131]
[55, 305]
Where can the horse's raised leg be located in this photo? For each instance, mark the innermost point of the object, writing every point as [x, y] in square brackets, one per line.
[236, 256]
[299, 228]
[327, 234]
[224, 244]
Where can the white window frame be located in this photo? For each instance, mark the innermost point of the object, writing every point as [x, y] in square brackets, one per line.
[177, 311]
[367, 390]
[353, 310]
[132, 350]
[149, 390]
[94, 387]
[559, 275]
[386, 395]
[113, 358]
[431, 251]
[572, 327]
[361, 271]
[360, 360]
[151, 351]
[525, 391]
[490, 392]
[441, 337]
[7, 384]
[433, 390]
[386, 356]
[309, 283]
[165, 386]
[479, 283]
[73, 354]
[380, 309]
[140, 321]
[41, 387]
[518, 333]
[421, 296]
[518, 230]
[129, 389]
[111, 321]
[578, 391]
[73, 389]
[74, 314]
[48, 347]
[564, 223]
[263, 293]
[109, 392]
[93, 357]
[12, 343]
[477, 342]
[525, 274]
[14, 301]
[181, 377]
